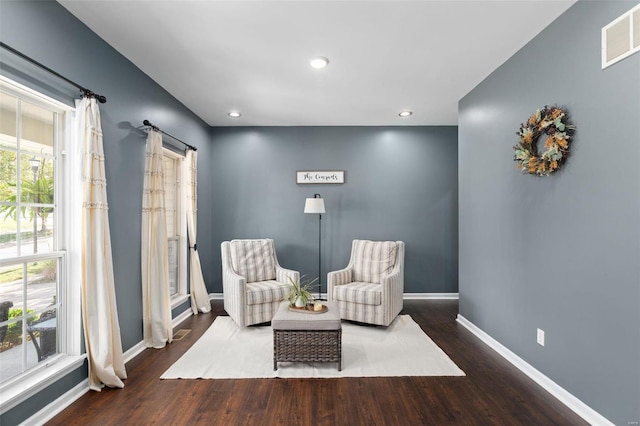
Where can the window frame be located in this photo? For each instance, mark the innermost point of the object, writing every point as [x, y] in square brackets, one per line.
[182, 294]
[67, 193]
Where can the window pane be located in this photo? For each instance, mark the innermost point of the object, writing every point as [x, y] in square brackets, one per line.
[41, 285]
[37, 129]
[17, 352]
[36, 178]
[8, 217]
[23, 349]
[173, 266]
[8, 200]
[42, 333]
[15, 355]
[37, 213]
[45, 241]
[11, 282]
[169, 166]
[8, 174]
[7, 119]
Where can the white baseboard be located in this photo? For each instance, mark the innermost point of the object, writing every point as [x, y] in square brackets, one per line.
[406, 296]
[137, 349]
[183, 316]
[564, 396]
[55, 407]
[133, 351]
[429, 296]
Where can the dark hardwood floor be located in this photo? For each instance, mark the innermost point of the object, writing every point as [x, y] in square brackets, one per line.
[492, 393]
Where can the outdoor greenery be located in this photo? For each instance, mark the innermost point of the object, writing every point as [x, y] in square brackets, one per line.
[7, 237]
[14, 331]
[46, 270]
[38, 191]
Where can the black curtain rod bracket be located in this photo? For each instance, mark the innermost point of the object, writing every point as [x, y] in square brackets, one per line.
[157, 129]
[85, 91]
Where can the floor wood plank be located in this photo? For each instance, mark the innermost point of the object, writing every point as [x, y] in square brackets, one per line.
[493, 392]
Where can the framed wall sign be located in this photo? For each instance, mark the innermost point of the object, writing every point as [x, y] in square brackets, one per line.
[320, 176]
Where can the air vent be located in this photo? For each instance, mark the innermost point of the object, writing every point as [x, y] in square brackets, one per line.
[621, 38]
[180, 334]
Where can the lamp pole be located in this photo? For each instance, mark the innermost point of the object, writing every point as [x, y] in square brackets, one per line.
[319, 256]
[315, 205]
[35, 164]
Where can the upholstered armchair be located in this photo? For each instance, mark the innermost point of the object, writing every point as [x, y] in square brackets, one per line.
[253, 282]
[371, 287]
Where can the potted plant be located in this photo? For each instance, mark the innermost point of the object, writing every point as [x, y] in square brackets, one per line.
[299, 292]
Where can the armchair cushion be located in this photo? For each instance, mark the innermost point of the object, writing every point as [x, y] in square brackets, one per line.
[253, 259]
[265, 292]
[359, 292]
[374, 259]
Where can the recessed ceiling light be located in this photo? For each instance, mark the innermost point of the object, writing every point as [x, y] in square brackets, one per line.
[405, 113]
[319, 62]
[234, 114]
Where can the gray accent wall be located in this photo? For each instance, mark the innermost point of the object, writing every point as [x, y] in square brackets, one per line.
[560, 253]
[45, 31]
[400, 184]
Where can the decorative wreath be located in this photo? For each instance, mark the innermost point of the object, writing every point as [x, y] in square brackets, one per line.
[553, 122]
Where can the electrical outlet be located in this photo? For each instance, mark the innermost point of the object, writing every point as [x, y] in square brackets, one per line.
[540, 337]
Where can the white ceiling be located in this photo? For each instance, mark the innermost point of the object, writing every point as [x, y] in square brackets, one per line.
[253, 56]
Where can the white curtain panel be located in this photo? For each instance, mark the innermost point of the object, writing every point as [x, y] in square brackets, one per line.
[156, 299]
[99, 312]
[199, 296]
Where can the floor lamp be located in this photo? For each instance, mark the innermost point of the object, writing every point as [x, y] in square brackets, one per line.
[315, 205]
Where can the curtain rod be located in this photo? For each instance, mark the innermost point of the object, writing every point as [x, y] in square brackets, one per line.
[157, 129]
[84, 90]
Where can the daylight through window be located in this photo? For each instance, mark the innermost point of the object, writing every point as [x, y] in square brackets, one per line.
[31, 257]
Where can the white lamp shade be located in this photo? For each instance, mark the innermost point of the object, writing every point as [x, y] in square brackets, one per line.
[314, 205]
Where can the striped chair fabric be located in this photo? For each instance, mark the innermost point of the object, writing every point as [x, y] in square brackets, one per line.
[253, 282]
[266, 291]
[253, 259]
[358, 292]
[371, 287]
[373, 260]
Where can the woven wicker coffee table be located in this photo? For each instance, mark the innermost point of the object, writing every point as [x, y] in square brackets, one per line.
[307, 337]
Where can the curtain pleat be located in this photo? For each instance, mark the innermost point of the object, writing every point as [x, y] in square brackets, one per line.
[99, 311]
[156, 299]
[199, 296]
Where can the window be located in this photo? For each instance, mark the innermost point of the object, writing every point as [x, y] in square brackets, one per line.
[176, 225]
[35, 313]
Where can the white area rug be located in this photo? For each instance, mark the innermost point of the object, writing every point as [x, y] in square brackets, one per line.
[226, 351]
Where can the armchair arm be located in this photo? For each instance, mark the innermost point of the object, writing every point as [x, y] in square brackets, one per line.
[393, 282]
[336, 278]
[393, 285]
[340, 277]
[235, 295]
[234, 288]
[283, 275]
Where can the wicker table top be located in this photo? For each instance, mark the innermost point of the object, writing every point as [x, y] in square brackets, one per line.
[284, 319]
